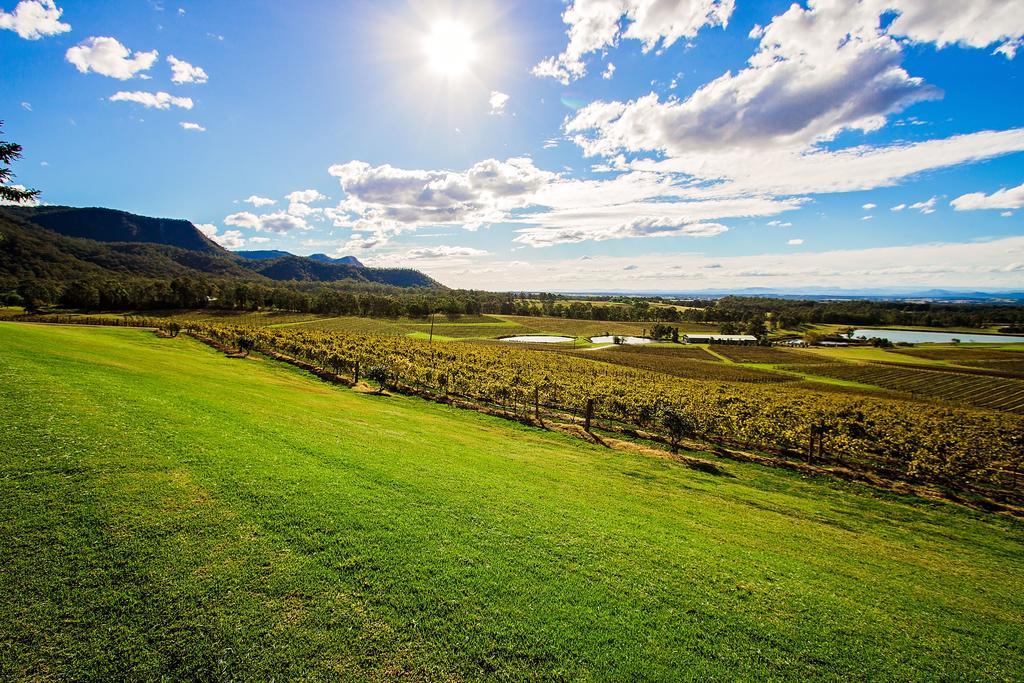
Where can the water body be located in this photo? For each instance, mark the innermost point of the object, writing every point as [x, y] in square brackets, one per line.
[536, 339]
[625, 340]
[915, 337]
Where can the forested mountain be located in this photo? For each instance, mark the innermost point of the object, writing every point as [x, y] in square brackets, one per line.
[267, 254]
[62, 244]
[111, 225]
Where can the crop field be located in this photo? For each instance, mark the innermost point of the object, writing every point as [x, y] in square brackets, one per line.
[679, 365]
[171, 513]
[674, 351]
[762, 354]
[590, 328]
[976, 449]
[976, 390]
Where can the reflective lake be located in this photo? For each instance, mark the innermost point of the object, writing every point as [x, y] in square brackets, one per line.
[915, 337]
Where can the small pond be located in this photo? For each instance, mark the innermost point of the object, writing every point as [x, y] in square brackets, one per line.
[916, 337]
[537, 339]
[624, 340]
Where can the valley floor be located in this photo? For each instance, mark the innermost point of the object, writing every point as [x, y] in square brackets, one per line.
[168, 511]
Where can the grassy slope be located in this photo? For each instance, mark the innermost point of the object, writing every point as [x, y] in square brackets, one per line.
[171, 511]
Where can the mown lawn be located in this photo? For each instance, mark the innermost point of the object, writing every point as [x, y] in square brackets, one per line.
[167, 511]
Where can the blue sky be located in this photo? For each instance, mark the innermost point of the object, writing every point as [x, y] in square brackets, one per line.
[490, 144]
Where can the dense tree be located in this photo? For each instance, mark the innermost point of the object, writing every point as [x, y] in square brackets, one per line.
[9, 153]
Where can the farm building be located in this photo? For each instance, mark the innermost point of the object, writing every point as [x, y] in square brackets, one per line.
[719, 339]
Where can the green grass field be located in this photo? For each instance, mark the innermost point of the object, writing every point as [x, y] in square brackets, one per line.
[170, 512]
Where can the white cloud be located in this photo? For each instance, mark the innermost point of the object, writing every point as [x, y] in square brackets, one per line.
[978, 23]
[638, 227]
[183, 72]
[996, 264]
[851, 169]
[598, 24]
[442, 252]
[779, 224]
[280, 222]
[188, 125]
[498, 100]
[817, 72]
[927, 206]
[34, 19]
[869, 206]
[795, 242]
[107, 57]
[27, 106]
[1005, 198]
[550, 143]
[303, 196]
[609, 72]
[152, 100]
[230, 239]
[258, 201]
[1006, 214]
[867, 218]
[259, 240]
[898, 207]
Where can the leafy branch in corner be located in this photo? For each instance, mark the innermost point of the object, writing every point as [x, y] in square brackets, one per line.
[10, 152]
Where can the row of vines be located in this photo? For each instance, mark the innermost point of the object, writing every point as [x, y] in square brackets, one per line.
[961, 448]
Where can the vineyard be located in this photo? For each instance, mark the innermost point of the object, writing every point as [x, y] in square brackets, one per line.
[683, 365]
[981, 391]
[763, 354]
[961, 448]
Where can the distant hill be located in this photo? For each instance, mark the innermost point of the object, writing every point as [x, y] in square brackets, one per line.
[263, 254]
[349, 260]
[267, 254]
[111, 225]
[64, 243]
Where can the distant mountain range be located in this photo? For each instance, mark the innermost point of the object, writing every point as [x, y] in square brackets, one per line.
[66, 243]
[268, 254]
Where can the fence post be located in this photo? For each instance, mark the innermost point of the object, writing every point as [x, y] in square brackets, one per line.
[355, 374]
[536, 405]
[590, 414]
[810, 445]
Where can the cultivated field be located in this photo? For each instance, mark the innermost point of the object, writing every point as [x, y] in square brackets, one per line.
[171, 512]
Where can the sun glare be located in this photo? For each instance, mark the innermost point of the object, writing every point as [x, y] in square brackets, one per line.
[449, 48]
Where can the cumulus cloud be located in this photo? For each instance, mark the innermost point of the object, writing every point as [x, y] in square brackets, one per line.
[817, 72]
[442, 252]
[498, 100]
[609, 72]
[995, 264]
[927, 206]
[279, 222]
[183, 72]
[1005, 198]
[107, 57]
[304, 196]
[638, 227]
[188, 125]
[230, 239]
[869, 206]
[795, 242]
[258, 201]
[388, 200]
[152, 100]
[852, 169]
[598, 24]
[977, 24]
[34, 19]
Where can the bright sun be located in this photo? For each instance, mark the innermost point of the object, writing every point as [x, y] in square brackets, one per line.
[449, 48]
